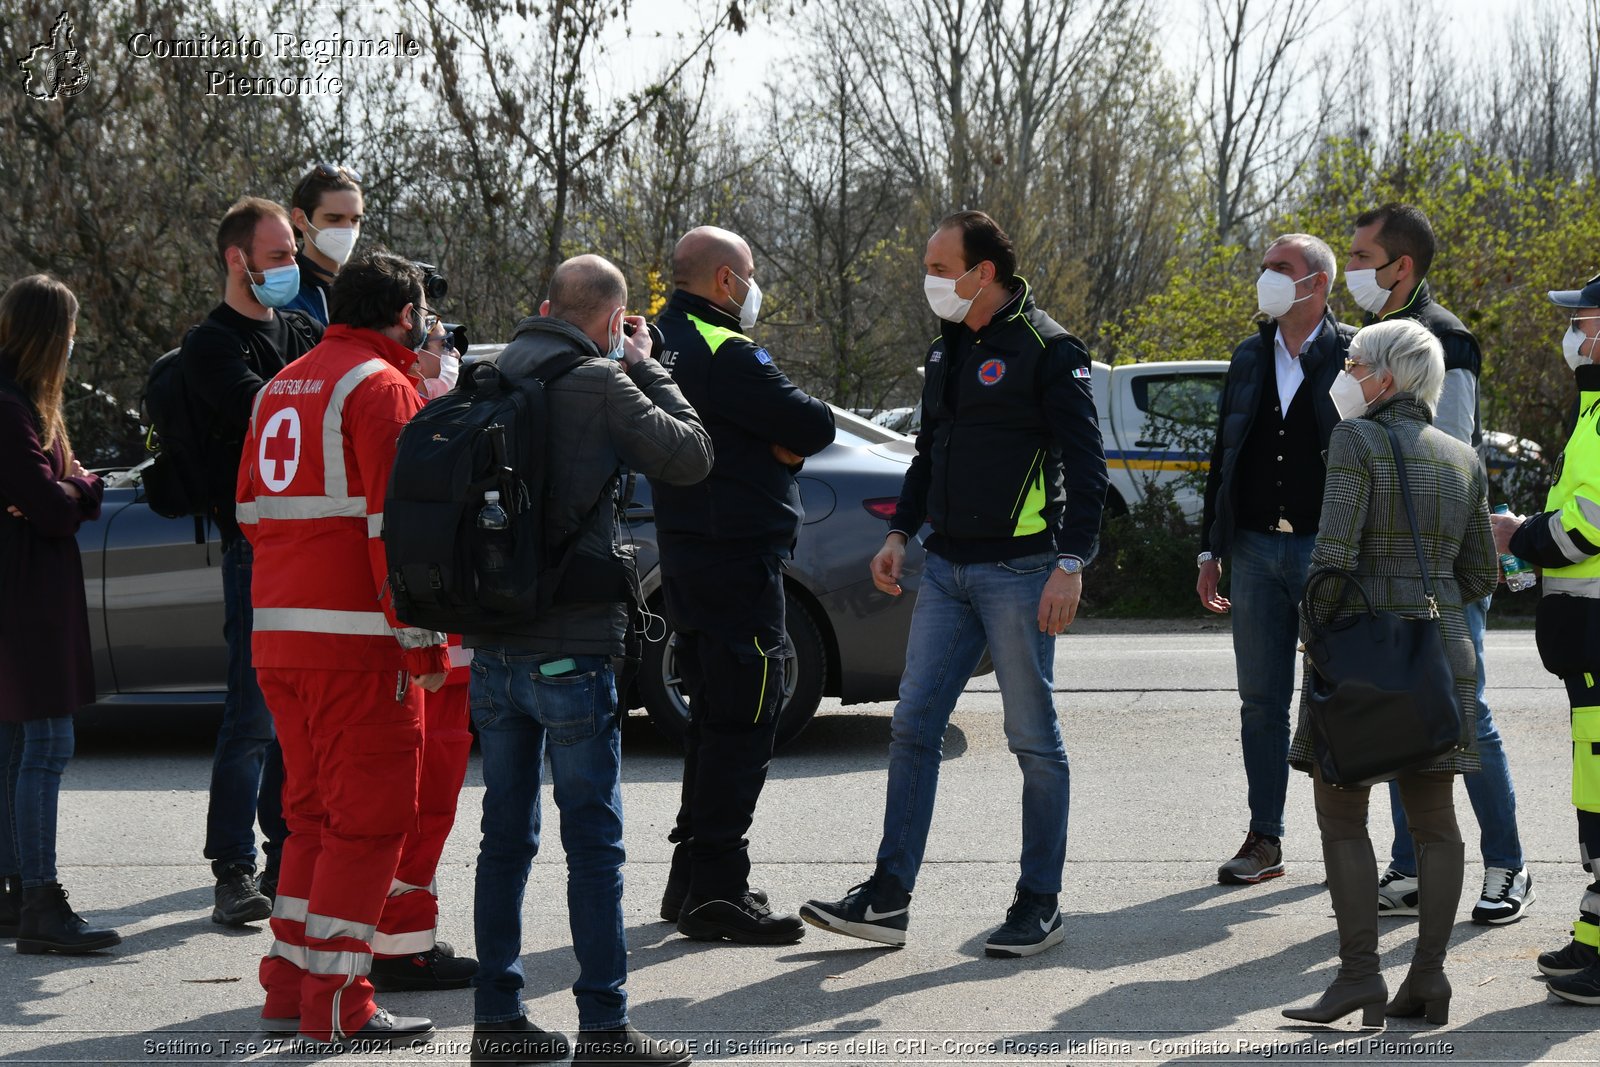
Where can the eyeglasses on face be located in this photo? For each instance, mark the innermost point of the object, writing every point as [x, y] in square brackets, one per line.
[1351, 365]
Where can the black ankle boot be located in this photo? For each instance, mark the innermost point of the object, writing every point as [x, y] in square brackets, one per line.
[10, 904]
[50, 925]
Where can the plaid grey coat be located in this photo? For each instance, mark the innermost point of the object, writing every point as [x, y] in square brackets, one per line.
[1365, 530]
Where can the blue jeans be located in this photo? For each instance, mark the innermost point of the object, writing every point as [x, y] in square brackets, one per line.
[1494, 799]
[961, 607]
[247, 768]
[516, 709]
[33, 754]
[1267, 579]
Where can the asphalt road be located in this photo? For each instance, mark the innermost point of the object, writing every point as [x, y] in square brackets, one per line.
[1160, 964]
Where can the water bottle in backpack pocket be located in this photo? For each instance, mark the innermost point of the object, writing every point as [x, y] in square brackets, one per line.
[463, 516]
[495, 546]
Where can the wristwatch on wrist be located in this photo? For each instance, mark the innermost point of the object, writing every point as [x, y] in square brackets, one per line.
[1069, 564]
[1203, 558]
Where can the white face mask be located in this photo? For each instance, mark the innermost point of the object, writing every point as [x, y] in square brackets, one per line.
[1572, 343]
[751, 308]
[335, 242]
[449, 368]
[1363, 285]
[942, 298]
[1347, 396]
[1275, 292]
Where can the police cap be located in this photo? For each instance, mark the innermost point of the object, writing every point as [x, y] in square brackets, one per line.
[1587, 297]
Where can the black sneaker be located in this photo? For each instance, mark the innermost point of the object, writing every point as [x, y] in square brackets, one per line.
[677, 891]
[238, 901]
[1582, 987]
[437, 968]
[383, 1028]
[627, 1046]
[745, 920]
[517, 1041]
[876, 910]
[1570, 960]
[1033, 924]
[1505, 897]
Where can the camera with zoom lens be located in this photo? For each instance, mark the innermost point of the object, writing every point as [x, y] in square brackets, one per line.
[434, 284]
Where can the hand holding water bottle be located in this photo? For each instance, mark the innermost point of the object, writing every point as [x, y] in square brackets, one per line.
[1518, 573]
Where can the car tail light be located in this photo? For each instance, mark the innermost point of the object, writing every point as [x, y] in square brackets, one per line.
[883, 507]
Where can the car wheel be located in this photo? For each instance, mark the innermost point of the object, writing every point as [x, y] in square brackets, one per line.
[804, 675]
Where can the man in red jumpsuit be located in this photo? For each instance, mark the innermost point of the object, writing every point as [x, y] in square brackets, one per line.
[337, 668]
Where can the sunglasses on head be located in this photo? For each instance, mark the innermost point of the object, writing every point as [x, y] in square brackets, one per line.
[329, 170]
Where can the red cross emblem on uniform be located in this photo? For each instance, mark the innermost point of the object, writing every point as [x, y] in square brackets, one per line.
[280, 450]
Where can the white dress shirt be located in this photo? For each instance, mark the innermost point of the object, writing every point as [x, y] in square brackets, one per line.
[1290, 372]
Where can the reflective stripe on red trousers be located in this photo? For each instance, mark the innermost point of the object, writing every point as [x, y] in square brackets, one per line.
[411, 914]
[351, 758]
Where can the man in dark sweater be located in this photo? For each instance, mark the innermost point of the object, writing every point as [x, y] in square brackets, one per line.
[226, 360]
[1262, 505]
[1391, 252]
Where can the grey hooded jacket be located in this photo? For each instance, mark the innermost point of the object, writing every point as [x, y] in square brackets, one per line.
[602, 418]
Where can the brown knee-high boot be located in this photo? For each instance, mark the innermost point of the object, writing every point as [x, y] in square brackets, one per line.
[1426, 989]
[1353, 885]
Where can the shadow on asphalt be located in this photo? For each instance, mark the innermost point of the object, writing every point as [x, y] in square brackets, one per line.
[1179, 923]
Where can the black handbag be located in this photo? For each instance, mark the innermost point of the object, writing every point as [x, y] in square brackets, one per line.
[1381, 697]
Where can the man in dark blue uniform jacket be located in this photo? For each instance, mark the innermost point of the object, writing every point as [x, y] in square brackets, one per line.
[723, 545]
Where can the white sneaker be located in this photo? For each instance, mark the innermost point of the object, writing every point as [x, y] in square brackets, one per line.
[1397, 893]
[1506, 896]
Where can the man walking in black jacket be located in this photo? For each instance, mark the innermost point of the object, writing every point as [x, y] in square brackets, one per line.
[226, 360]
[723, 547]
[1010, 474]
[544, 685]
[1263, 503]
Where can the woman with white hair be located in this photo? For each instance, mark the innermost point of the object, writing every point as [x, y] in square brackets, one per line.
[1391, 381]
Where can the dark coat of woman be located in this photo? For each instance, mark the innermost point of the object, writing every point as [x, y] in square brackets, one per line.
[45, 655]
[1364, 529]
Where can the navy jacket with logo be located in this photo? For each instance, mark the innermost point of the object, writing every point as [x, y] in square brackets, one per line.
[1009, 460]
[749, 505]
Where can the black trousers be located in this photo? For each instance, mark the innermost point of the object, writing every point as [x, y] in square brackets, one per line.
[730, 655]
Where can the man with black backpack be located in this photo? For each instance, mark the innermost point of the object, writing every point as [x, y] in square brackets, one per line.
[546, 675]
[225, 361]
